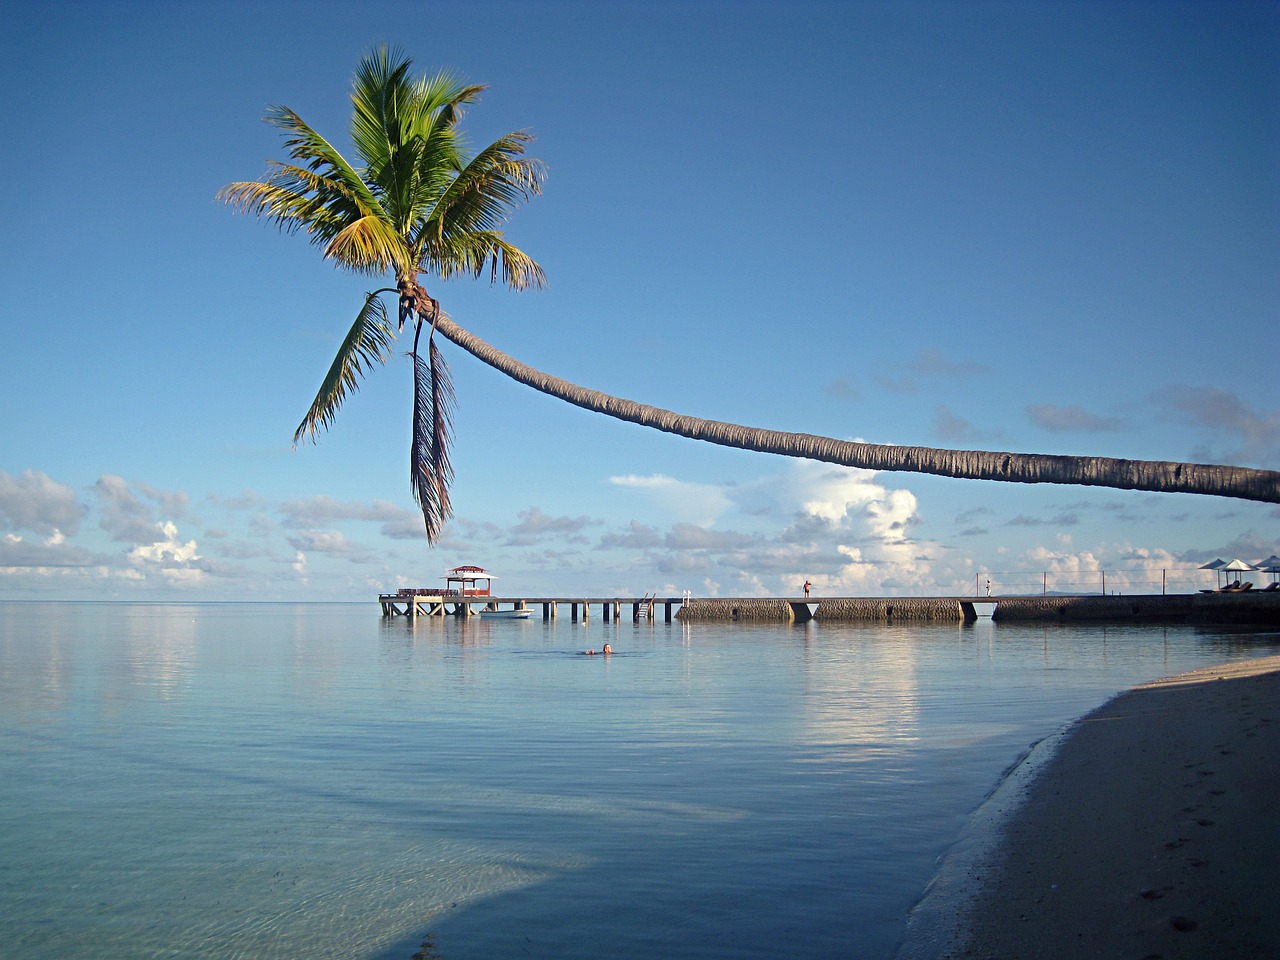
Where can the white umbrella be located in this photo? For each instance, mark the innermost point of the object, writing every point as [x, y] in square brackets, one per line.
[1270, 565]
[1235, 566]
[1215, 566]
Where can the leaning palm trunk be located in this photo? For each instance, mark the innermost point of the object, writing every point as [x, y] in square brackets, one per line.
[1157, 475]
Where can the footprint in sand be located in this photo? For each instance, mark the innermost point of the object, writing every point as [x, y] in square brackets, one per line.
[1182, 924]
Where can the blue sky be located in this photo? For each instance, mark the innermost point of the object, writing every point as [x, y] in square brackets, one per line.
[1039, 227]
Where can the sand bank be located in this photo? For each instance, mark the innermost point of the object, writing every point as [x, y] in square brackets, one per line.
[1152, 832]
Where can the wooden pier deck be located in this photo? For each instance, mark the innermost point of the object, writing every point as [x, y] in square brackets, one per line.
[439, 604]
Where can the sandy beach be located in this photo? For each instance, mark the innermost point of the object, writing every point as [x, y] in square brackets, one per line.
[1154, 832]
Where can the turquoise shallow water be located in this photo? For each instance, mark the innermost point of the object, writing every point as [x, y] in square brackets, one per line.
[281, 781]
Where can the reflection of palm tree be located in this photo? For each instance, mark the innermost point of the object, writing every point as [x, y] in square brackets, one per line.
[419, 205]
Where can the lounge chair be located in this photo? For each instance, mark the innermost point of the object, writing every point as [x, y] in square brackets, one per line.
[1271, 587]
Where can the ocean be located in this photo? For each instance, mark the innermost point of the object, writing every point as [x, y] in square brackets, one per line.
[289, 781]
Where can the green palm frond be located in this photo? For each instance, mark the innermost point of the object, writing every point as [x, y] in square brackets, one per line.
[488, 188]
[366, 343]
[314, 152]
[430, 472]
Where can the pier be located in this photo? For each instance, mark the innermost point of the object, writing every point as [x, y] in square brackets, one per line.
[438, 603]
[1254, 608]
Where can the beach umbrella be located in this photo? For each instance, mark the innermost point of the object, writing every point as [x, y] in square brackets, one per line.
[1235, 566]
[1270, 565]
[1216, 567]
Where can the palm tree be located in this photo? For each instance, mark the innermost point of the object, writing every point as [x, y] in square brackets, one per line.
[1155, 475]
[419, 206]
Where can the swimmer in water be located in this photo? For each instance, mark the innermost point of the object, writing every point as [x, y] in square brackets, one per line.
[591, 653]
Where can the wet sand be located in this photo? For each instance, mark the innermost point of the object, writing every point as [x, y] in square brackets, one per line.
[1154, 832]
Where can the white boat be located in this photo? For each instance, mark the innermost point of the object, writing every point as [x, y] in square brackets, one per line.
[505, 614]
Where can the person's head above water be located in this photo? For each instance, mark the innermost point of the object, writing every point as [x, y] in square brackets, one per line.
[607, 649]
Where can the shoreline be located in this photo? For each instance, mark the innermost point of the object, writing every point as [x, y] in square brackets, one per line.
[1146, 829]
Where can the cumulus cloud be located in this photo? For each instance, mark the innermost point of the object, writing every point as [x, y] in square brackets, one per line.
[1071, 419]
[35, 502]
[169, 558]
[167, 549]
[836, 526]
[1123, 568]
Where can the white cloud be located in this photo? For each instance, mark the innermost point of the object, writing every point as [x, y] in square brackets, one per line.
[834, 525]
[166, 550]
[35, 502]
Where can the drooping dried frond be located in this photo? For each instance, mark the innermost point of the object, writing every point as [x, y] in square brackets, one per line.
[366, 343]
[430, 470]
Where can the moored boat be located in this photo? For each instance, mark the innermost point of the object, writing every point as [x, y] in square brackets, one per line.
[505, 614]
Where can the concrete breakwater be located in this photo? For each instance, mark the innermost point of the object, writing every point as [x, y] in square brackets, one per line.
[1206, 608]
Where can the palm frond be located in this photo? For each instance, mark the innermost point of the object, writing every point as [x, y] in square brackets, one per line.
[489, 187]
[366, 343]
[316, 153]
[431, 473]
[472, 253]
[370, 245]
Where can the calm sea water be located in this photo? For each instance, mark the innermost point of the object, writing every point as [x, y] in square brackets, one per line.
[280, 781]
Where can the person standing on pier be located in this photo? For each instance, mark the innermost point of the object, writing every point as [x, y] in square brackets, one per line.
[807, 585]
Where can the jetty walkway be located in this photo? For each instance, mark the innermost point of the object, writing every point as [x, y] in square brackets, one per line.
[1252, 608]
[439, 604]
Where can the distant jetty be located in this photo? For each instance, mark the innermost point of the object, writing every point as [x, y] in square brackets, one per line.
[1206, 608]
[1253, 608]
